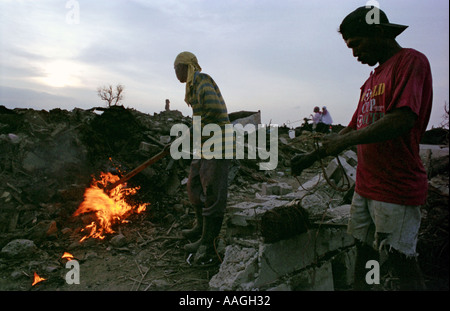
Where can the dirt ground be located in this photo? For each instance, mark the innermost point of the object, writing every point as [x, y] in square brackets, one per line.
[145, 254]
[148, 257]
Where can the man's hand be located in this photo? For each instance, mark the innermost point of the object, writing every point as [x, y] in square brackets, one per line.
[395, 123]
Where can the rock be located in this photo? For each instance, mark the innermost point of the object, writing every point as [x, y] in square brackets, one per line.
[239, 266]
[119, 241]
[19, 248]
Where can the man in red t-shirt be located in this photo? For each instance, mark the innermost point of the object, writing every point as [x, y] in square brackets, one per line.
[392, 114]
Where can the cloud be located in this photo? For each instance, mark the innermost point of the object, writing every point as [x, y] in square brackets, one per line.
[282, 57]
[26, 98]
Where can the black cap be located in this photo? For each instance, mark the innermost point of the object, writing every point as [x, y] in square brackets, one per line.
[361, 22]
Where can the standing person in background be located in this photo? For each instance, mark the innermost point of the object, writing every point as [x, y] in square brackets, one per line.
[208, 178]
[167, 107]
[326, 118]
[316, 117]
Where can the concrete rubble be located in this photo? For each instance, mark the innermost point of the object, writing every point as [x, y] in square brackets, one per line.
[322, 258]
[48, 158]
[301, 262]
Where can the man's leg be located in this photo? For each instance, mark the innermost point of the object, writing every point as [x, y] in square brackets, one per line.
[362, 228]
[195, 190]
[408, 271]
[397, 231]
[214, 178]
[364, 253]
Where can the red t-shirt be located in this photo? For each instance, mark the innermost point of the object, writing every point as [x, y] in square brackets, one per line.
[392, 171]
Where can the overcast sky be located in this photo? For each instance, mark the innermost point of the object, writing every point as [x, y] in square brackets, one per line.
[279, 56]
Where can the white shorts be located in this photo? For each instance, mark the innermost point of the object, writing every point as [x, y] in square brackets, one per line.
[379, 223]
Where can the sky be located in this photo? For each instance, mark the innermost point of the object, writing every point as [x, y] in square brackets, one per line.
[282, 57]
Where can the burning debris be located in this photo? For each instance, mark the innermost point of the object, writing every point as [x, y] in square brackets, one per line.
[108, 209]
[67, 256]
[37, 279]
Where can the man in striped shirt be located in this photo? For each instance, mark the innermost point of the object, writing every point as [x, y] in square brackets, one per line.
[208, 177]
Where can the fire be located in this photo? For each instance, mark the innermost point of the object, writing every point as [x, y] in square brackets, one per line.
[108, 210]
[67, 256]
[37, 279]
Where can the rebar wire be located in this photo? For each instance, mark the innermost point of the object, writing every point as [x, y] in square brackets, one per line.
[328, 180]
[215, 248]
[333, 185]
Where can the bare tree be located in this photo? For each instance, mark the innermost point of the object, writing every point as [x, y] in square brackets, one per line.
[112, 97]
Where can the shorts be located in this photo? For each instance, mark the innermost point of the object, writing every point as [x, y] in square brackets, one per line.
[385, 224]
[207, 186]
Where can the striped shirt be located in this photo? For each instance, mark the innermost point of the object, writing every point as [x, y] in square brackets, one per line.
[207, 102]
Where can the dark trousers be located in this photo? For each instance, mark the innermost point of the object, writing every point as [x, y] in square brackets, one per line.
[207, 186]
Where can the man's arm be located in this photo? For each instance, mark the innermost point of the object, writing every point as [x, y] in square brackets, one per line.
[394, 123]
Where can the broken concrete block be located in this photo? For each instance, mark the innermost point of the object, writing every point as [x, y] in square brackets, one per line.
[241, 206]
[238, 267]
[335, 172]
[343, 265]
[318, 278]
[283, 257]
[317, 180]
[338, 215]
[351, 157]
[316, 202]
[271, 203]
[332, 239]
[286, 256]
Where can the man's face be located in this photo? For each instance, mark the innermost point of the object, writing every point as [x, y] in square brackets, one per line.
[181, 72]
[365, 49]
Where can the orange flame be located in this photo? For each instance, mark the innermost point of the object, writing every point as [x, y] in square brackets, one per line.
[108, 210]
[37, 279]
[67, 256]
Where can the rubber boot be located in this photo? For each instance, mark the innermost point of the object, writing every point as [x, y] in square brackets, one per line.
[210, 230]
[408, 271]
[206, 251]
[195, 232]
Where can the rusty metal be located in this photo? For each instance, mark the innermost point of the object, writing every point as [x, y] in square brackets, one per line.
[140, 168]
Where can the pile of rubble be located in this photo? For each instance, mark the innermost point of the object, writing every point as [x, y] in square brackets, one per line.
[48, 159]
[306, 246]
[295, 239]
[279, 233]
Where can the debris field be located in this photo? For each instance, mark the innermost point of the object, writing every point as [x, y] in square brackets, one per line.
[279, 233]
